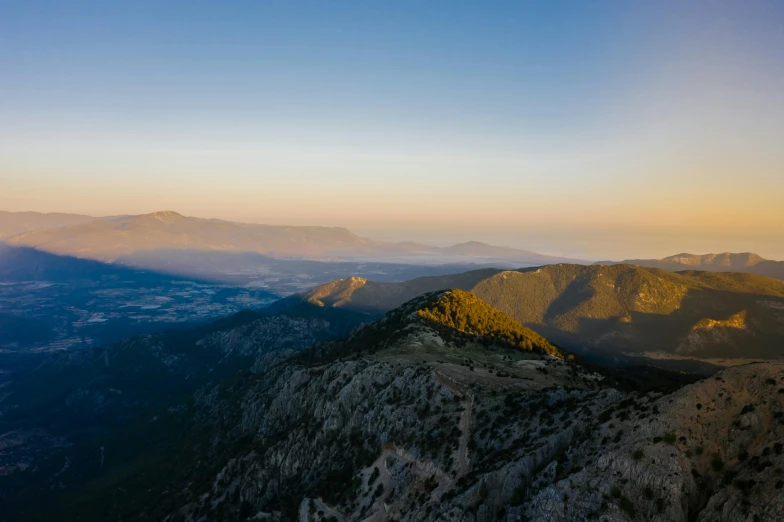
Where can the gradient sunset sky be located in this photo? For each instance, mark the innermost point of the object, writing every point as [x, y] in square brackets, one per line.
[600, 130]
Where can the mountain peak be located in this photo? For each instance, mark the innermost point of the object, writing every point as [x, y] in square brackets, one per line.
[451, 314]
[336, 292]
[463, 311]
[165, 216]
[724, 259]
[479, 249]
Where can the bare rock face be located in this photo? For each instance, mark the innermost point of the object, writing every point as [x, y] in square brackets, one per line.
[710, 451]
[370, 440]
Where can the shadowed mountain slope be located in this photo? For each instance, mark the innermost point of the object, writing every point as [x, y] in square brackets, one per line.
[86, 407]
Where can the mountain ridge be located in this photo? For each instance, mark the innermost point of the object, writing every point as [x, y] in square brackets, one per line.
[431, 412]
[721, 262]
[429, 427]
[15, 223]
[117, 238]
[615, 308]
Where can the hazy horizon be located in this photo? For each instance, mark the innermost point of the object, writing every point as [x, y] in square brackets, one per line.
[643, 243]
[592, 131]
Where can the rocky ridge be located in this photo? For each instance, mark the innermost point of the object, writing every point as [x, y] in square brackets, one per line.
[425, 426]
[412, 419]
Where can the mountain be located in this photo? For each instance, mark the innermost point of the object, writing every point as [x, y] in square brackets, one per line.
[110, 239]
[92, 396]
[726, 262]
[122, 238]
[415, 418]
[605, 309]
[14, 223]
[450, 314]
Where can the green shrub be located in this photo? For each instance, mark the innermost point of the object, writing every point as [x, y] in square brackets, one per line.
[638, 454]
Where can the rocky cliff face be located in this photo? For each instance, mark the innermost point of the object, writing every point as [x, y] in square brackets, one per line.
[374, 440]
[709, 451]
[420, 428]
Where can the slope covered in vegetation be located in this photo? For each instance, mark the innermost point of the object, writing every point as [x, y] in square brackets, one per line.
[467, 313]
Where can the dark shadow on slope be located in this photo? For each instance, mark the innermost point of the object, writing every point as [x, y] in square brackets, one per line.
[131, 398]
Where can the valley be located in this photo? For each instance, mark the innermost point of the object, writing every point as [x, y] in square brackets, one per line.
[45, 316]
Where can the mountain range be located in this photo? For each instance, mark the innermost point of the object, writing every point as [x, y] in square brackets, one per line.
[444, 408]
[603, 309]
[14, 223]
[125, 238]
[171, 242]
[726, 262]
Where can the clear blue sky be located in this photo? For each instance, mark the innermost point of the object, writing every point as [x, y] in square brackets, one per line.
[597, 129]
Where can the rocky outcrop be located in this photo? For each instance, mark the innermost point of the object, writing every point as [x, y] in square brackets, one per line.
[710, 451]
[369, 440]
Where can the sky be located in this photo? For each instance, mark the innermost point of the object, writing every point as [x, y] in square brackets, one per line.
[598, 130]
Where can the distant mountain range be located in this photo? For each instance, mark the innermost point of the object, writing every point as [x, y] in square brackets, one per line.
[14, 223]
[119, 239]
[603, 309]
[726, 262]
[167, 241]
